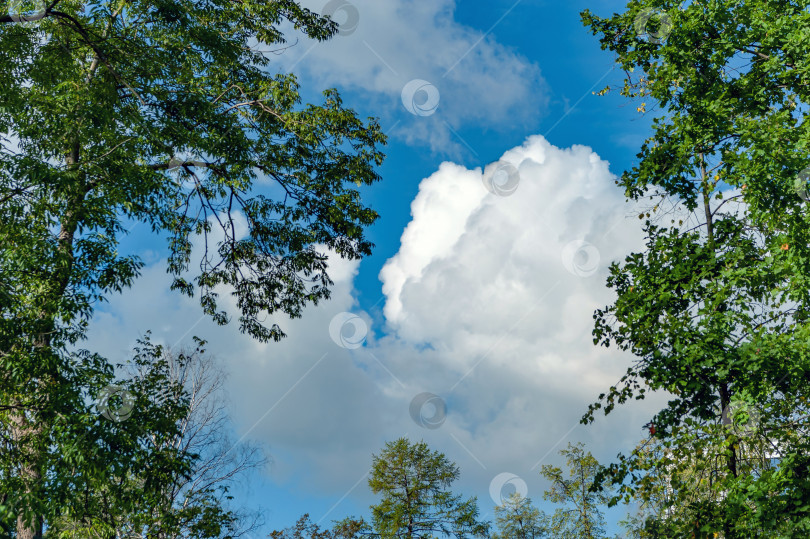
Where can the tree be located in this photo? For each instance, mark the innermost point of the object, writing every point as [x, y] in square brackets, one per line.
[654, 496]
[677, 489]
[195, 498]
[114, 455]
[715, 310]
[581, 516]
[517, 518]
[306, 529]
[166, 114]
[416, 501]
[190, 499]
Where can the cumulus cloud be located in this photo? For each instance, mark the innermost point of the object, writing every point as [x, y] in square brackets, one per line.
[468, 77]
[439, 217]
[565, 221]
[497, 293]
[488, 307]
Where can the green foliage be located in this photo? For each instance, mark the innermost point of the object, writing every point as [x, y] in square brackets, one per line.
[517, 518]
[148, 480]
[715, 310]
[580, 515]
[416, 501]
[677, 490]
[167, 114]
[100, 473]
[306, 529]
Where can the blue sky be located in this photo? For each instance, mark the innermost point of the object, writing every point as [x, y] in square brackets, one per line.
[482, 300]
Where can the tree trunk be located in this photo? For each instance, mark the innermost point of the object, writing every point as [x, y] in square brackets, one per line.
[29, 431]
[22, 429]
[724, 390]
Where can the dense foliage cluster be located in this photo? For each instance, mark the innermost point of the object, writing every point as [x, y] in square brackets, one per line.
[715, 310]
[169, 114]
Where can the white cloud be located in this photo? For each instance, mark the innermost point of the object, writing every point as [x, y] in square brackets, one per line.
[480, 310]
[481, 288]
[492, 253]
[439, 217]
[478, 80]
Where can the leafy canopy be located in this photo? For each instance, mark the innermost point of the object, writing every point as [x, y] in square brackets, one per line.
[517, 518]
[169, 114]
[414, 483]
[580, 514]
[715, 309]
